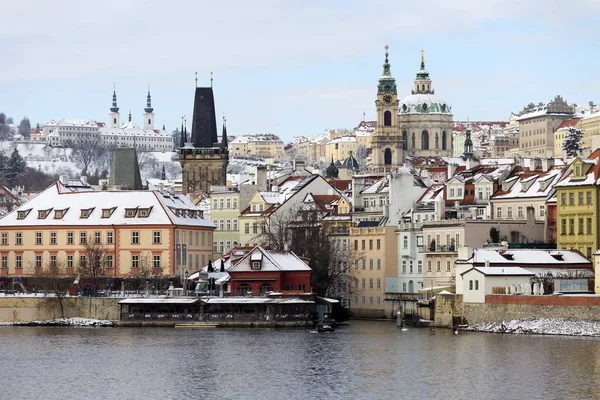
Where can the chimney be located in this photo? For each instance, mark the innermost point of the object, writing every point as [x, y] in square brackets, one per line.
[261, 178]
[63, 179]
[547, 163]
[487, 263]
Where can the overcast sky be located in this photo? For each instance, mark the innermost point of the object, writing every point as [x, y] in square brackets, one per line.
[291, 68]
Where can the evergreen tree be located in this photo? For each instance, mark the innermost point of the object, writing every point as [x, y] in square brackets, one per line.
[25, 128]
[14, 167]
[2, 118]
[573, 144]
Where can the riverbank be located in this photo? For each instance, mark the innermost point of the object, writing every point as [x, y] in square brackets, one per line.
[63, 322]
[541, 326]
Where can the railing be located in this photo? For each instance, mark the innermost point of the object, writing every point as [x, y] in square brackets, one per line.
[438, 249]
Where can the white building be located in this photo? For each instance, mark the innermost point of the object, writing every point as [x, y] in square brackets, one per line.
[479, 282]
[148, 138]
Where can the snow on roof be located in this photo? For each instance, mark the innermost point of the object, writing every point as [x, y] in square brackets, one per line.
[255, 300]
[592, 175]
[501, 271]
[272, 261]
[345, 139]
[529, 257]
[55, 206]
[536, 183]
[160, 300]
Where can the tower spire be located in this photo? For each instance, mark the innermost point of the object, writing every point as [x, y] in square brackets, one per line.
[387, 84]
[422, 59]
[148, 108]
[129, 115]
[181, 135]
[211, 79]
[224, 142]
[185, 128]
[386, 64]
[114, 107]
[196, 79]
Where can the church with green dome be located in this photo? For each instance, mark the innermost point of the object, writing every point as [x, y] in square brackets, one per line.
[419, 125]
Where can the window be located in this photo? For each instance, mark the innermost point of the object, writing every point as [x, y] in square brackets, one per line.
[428, 266]
[378, 244]
[571, 198]
[580, 198]
[38, 261]
[370, 299]
[228, 224]
[498, 212]
[419, 267]
[589, 226]
[52, 237]
[364, 264]
[371, 283]
[70, 237]
[4, 262]
[221, 246]
[235, 203]
[69, 261]
[410, 267]
[563, 199]
[355, 264]
[97, 237]
[221, 203]
[563, 226]
[38, 238]
[356, 245]
[19, 238]
[302, 287]
[247, 227]
[404, 287]
[107, 212]
[378, 264]
[156, 237]
[235, 225]
[509, 212]
[571, 226]
[520, 212]
[156, 262]
[228, 202]
[143, 212]
[130, 212]
[470, 285]
[438, 266]
[588, 197]
[82, 237]
[448, 265]
[215, 247]
[19, 262]
[476, 285]
[52, 261]
[364, 283]
[370, 244]
[4, 238]
[404, 266]
[221, 225]
[85, 213]
[542, 211]
[363, 245]
[135, 237]
[378, 283]
[109, 237]
[405, 242]
[135, 261]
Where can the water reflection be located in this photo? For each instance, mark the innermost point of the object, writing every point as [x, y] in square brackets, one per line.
[366, 360]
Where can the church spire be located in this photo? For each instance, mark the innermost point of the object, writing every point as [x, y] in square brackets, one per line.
[185, 135]
[148, 108]
[422, 73]
[387, 84]
[163, 175]
[129, 115]
[224, 143]
[114, 107]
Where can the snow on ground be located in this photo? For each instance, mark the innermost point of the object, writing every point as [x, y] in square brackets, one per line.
[62, 322]
[541, 326]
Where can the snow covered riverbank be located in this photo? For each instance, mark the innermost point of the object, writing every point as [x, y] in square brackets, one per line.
[541, 326]
[62, 322]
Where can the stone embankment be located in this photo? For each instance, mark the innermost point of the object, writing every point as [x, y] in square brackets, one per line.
[541, 326]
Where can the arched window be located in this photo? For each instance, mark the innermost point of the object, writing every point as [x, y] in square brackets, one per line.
[264, 289]
[437, 141]
[423, 87]
[387, 157]
[412, 145]
[410, 287]
[444, 146]
[244, 290]
[404, 140]
[387, 118]
[424, 140]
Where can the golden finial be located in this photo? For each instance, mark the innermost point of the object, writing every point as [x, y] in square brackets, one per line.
[211, 79]
[196, 79]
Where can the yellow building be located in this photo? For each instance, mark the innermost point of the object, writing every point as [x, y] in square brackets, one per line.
[132, 233]
[373, 258]
[578, 197]
[590, 126]
[253, 220]
[340, 147]
[264, 146]
[560, 133]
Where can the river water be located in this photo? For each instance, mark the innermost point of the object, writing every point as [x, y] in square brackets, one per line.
[364, 360]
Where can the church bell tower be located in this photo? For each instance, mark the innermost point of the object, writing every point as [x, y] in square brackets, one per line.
[387, 141]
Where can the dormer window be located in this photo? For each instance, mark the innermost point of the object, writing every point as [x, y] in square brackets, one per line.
[578, 170]
[256, 261]
[130, 212]
[58, 214]
[144, 212]
[86, 212]
[23, 214]
[107, 212]
[255, 265]
[42, 214]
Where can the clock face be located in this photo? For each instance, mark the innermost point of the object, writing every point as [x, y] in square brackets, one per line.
[387, 99]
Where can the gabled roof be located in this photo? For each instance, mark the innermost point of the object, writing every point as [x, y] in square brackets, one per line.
[501, 271]
[591, 170]
[530, 258]
[271, 261]
[524, 183]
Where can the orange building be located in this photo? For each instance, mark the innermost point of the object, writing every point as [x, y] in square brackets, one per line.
[131, 233]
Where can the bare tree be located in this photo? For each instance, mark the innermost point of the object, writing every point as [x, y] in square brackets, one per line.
[86, 150]
[56, 280]
[94, 263]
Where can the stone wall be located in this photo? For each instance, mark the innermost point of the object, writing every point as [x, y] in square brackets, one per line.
[447, 306]
[520, 307]
[26, 309]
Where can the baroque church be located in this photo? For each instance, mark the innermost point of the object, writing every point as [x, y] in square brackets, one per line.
[419, 125]
[203, 159]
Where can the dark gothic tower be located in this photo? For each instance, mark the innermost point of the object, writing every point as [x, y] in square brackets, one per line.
[205, 163]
